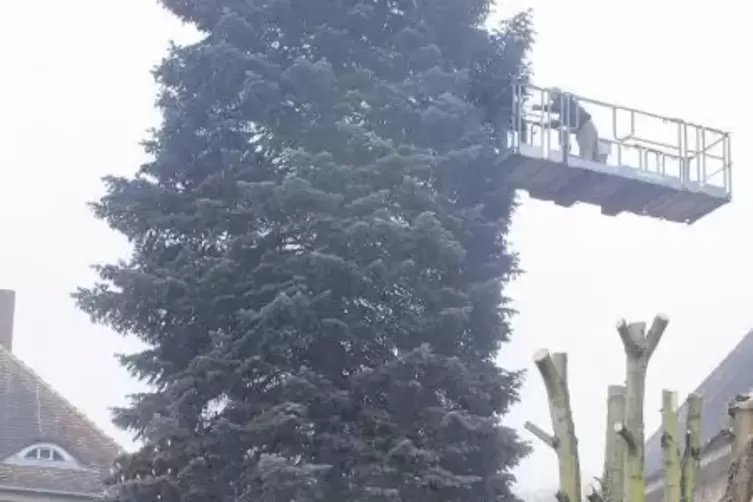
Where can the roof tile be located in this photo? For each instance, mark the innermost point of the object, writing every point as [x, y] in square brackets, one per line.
[732, 377]
[31, 412]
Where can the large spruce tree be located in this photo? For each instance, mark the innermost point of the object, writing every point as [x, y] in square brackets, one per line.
[319, 257]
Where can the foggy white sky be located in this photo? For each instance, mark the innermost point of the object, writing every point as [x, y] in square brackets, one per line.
[76, 97]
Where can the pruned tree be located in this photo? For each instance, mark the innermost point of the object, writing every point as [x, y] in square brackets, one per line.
[691, 458]
[624, 459]
[639, 347]
[553, 369]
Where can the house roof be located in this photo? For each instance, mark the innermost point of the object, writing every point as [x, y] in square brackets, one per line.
[732, 377]
[32, 412]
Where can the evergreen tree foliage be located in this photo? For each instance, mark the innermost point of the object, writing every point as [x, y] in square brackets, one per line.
[319, 257]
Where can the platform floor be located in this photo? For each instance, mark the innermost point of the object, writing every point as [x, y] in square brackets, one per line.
[616, 189]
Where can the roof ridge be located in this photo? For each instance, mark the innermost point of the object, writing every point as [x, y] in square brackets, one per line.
[80, 414]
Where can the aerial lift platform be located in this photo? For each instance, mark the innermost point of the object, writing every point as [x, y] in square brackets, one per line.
[650, 165]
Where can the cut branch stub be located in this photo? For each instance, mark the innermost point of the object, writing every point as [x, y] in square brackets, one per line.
[537, 431]
[626, 436]
[553, 369]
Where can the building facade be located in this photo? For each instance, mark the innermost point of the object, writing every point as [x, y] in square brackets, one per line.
[49, 451]
[734, 376]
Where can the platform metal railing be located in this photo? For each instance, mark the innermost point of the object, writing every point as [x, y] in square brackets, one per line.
[697, 155]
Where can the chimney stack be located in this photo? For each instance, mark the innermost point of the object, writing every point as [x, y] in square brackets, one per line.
[7, 308]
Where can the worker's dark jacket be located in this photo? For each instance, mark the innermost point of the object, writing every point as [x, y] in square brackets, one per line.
[576, 115]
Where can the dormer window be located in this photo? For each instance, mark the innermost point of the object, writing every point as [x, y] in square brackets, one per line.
[44, 455]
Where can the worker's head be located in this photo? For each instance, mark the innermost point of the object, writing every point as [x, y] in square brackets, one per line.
[555, 93]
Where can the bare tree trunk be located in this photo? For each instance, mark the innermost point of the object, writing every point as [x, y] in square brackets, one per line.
[614, 456]
[553, 369]
[639, 346]
[691, 458]
[670, 445]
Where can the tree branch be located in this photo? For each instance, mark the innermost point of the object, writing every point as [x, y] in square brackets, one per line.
[632, 346]
[537, 431]
[626, 435]
[655, 333]
[548, 369]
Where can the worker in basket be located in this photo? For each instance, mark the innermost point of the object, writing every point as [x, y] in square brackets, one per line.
[576, 120]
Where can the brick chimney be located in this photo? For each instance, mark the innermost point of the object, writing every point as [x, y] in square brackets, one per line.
[7, 308]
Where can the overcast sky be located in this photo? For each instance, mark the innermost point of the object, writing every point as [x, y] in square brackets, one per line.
[76, 97]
